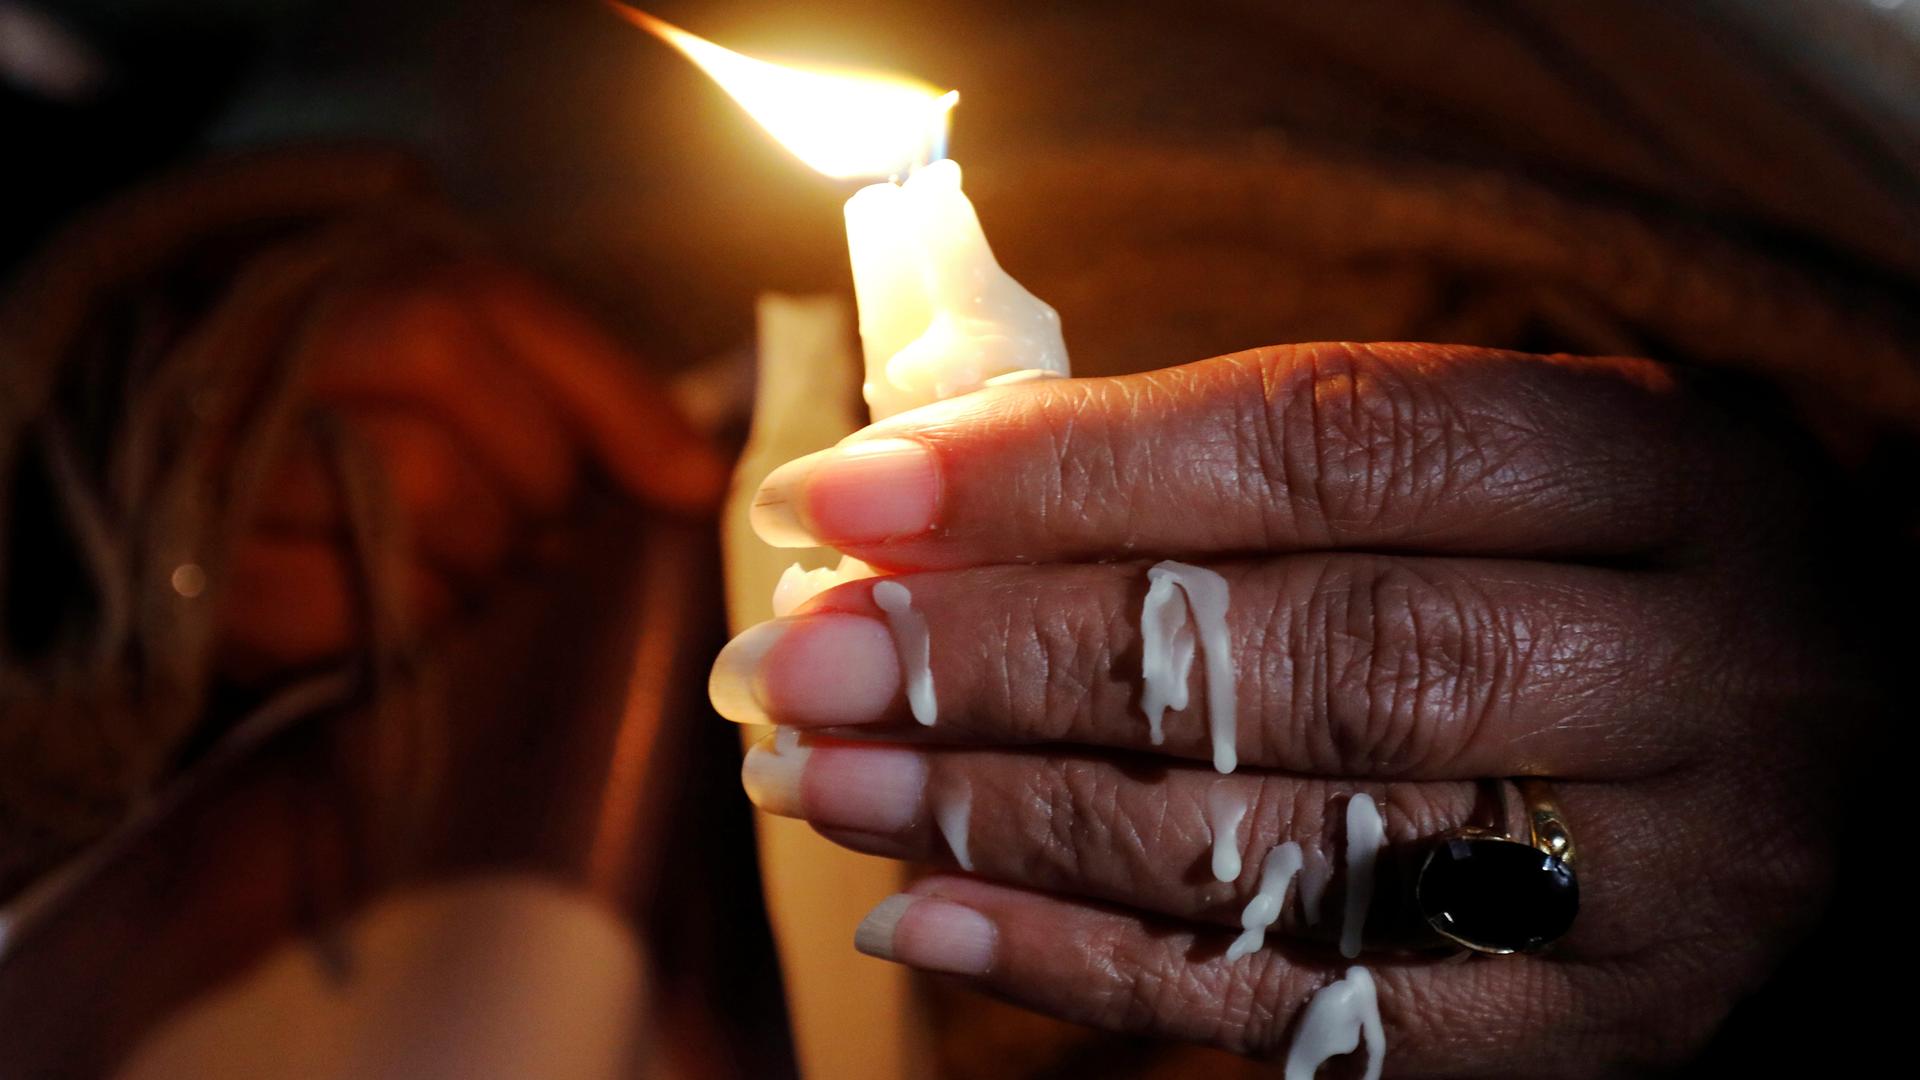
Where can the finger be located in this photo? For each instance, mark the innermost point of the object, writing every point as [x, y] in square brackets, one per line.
[1344, 665]
[1434, 448]
[420, 348]
[293, 601]
[1121, 971]
[457, 518]
[634, 432]
[1160, 838]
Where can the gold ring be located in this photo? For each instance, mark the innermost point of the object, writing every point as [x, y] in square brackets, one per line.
[1546, 824]
[1485, 890]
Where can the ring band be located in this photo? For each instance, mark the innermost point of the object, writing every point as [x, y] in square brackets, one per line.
[1486, 891]
[1546, 824]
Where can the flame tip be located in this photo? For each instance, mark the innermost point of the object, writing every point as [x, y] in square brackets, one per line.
[845, 124]
[646, 20]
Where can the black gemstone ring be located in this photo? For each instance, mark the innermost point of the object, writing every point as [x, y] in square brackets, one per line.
[1488, 892]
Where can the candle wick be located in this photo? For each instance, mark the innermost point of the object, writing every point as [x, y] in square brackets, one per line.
[930, 151]
[935, 148]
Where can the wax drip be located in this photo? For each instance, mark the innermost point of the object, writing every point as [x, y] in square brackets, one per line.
[1365, 831]
[797, 584]
[1339, 1015]
[951, 812]
[915, 645]
[1276, 872]
[776, 789]
[1313, 888]
[1166, 653]
[1165, 661]
[1225, 808]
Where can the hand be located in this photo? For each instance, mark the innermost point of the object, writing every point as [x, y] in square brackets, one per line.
[1446, 565]
[485, 399]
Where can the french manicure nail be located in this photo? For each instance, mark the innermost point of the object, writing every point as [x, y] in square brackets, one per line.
[733, 685]
[808, 670]
[861, 493]
[929, 933]
[773, 771]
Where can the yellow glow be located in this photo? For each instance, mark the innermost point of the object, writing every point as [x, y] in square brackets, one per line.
[846, 124]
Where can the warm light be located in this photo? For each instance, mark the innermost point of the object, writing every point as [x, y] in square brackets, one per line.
[847, 124]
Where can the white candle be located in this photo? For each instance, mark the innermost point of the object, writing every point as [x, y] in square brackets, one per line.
[938, 316]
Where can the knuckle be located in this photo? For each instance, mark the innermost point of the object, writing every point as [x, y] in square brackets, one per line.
[1057, 686]
[1409, 665]
[1353, 435]
[1089, 453]
[1257, 1002]
[1076, 819]
[1153, 992]
[1015, 657]
[1243, 1007]
[1136, 987]
[1052, 852]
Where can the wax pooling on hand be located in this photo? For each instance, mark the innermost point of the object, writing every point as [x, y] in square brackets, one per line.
[1365, 831]
[1225, 808]
[1165, 661]
[951, 812]
[1276, 872]
[1338, 1017]
[910, 637]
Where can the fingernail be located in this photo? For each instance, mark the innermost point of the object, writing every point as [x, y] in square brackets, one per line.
[871, 789]
[808, 670]
[773, 770]
[929, 933]
[861, 493]
[733, 684]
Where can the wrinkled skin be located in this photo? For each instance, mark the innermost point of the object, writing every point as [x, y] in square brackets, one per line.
[1446, 564]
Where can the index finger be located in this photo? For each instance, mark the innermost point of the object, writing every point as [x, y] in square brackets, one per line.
[1386, 447]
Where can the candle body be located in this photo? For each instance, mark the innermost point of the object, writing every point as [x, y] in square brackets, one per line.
[938, 316]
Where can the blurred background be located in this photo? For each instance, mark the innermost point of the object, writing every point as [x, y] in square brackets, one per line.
[1275, 138]
[1719, 184]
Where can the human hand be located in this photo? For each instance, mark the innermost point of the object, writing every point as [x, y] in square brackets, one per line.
[1446, 565]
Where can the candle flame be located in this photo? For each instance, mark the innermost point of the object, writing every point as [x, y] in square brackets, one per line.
[846, 124]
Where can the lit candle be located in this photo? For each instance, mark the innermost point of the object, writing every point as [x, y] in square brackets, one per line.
[938, 316]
